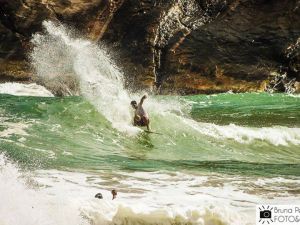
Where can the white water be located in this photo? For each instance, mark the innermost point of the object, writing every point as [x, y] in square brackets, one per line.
[276, 135]
[24, 89]
[58, 58]
[58, 198]
[22, 205]
[74, 65]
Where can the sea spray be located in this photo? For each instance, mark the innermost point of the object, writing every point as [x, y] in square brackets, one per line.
[69, 65]
[214, 162]
[58, 58]
[74, 65]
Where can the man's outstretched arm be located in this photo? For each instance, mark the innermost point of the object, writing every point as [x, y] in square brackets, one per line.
[142, 99]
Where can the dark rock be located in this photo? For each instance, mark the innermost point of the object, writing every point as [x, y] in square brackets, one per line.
[180, 46]
[204, 46]
[293, 59]
[19, 19]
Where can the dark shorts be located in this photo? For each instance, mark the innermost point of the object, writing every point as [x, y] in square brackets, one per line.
[144, 121]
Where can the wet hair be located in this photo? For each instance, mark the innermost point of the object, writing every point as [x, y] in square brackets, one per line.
[99, 195]
[133, 102]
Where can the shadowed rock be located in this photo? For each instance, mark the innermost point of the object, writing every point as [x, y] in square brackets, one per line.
[19, 19]
[204, 46]
[173, 46]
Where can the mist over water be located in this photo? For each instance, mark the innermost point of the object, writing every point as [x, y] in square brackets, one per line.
[218, 155]
[61, 61]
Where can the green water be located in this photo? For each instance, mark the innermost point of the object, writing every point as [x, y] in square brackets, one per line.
[242, 134]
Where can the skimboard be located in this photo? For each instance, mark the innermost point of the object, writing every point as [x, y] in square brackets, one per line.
[152, 132]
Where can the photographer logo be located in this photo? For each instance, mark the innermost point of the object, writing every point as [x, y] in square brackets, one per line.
[265, 214]
[278, 214]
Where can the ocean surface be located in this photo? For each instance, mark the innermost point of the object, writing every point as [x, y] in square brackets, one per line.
[215, 159]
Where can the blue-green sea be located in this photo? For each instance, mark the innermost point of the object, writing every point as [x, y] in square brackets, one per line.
[210, 161]
[233, 149]
[241, 134]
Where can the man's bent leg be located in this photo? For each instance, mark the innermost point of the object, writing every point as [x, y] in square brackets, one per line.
[145, 122]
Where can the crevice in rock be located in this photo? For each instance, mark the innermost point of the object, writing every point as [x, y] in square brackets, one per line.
[176, 23]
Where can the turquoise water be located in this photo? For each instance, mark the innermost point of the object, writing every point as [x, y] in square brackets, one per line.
[69, 133]
[228, 150]
[217, 157]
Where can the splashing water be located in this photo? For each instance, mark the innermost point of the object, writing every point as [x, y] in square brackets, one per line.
[218, 157]
[22, 204]
[57, 58]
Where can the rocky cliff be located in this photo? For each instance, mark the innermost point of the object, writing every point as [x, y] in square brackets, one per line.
[19, 19]
[185, 46]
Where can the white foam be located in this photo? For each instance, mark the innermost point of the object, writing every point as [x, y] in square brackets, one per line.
[20, 89]
[58, 197]
[56, 55]
[167, 198]
[146, 201]
[276, 135]
[11, 128]
[294, 95]
[22, 205]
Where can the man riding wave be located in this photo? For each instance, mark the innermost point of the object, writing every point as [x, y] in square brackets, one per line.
[141, 117]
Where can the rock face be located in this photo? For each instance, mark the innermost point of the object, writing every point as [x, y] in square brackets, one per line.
[292, 55]
[185, 46]
[19, 19]
[206, 46]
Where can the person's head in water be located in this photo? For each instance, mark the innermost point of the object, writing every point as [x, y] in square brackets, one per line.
[99, 195]
[134, 104]
[114, 194]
